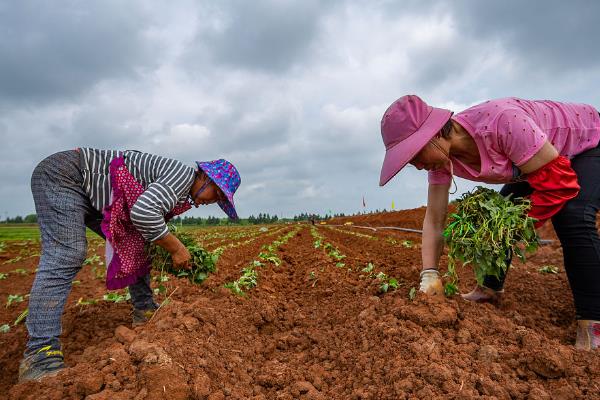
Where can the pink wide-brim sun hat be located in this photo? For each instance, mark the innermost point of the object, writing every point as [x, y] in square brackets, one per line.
[406, 127]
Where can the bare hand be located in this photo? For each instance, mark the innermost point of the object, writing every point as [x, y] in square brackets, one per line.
[181, 258]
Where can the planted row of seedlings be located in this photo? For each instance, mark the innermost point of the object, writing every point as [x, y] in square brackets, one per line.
[205, 234]
[348, 232]
[331, 251]
[221, 249]
[250, 234]
[268, 254]
[386, 283]
[215, 237]
[388, 239]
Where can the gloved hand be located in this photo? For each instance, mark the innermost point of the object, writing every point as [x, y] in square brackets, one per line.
[431, 283]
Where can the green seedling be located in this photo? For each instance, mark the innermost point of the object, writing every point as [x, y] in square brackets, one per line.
[13, 260]
[3, 276]
[4, 328]
[76, 282]
[99, 272]
[116, 297]
[387, 284]
[369, 268]
[336, 255]
[312, 275]
[485, 227]
[14, 298]
[407, 243]
[248, 280]
[450, 289]
[549, 269]
[272, 258]
[95, 259]
[412, 293]
[21, 271]
[82, 302]
[340, 265]
[21, 317]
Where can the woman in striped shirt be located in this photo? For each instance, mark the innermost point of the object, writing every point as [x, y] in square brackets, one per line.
[125, 197]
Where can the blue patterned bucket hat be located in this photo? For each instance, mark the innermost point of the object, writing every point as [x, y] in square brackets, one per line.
[227, 178]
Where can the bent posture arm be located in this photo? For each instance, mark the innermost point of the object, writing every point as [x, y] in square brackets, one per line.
[433, 225]
[179, 253]
[433, 240]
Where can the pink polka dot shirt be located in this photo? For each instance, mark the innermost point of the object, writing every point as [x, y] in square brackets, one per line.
[510, 131]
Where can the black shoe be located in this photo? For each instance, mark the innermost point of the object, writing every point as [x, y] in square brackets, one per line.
[46, 361]
[141, 316]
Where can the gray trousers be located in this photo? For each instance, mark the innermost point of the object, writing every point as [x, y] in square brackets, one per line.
[63, 211]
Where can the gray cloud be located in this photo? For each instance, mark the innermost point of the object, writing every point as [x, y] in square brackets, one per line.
[291, 92]
[263, 35]
[545, 35]
[64, 48]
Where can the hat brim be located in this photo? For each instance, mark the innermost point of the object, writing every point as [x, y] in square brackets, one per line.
[399, 155]
[229, 208]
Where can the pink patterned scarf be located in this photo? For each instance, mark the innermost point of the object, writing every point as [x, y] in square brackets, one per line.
[126, 258]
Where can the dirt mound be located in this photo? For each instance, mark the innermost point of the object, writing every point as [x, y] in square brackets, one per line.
[318, 327]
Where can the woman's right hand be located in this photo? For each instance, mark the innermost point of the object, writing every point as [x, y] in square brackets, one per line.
[181, 258]
[431, 283]
[179, 253]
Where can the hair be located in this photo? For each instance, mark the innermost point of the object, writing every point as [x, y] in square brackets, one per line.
[446, 129]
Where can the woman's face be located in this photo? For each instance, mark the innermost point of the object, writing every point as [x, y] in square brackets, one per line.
[210, 194]
[431, 157]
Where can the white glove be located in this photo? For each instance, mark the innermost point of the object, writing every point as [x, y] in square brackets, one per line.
[431, 283]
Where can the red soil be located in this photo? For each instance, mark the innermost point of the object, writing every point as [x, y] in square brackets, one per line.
[311, 330]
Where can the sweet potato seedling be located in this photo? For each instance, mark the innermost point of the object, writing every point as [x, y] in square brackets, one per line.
[21, 317]
[386, 283]
[21, 271]
[4, 328]
[412, 293]
[115, 297]
[14, 298]
[95, 259]
[548, 269]
[248, 280]
[81, 302]
[13, 260]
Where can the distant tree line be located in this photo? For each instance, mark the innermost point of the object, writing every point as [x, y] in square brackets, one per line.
[316, 217]
[28, 219]
[262, 218]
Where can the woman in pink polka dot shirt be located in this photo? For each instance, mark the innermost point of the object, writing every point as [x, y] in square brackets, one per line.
[545, 150]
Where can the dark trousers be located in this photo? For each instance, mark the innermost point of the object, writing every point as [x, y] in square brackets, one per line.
[575, 226]
[63, 210]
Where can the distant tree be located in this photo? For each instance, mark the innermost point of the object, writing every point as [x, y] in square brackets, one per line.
[30, 219]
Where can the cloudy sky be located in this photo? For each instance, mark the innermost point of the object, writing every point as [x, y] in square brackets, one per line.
[291, 92]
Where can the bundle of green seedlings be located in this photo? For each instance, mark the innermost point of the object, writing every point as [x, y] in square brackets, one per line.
[484, 229]
[202, 262]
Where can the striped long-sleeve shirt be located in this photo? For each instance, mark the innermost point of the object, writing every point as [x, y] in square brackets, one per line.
[167, 183]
